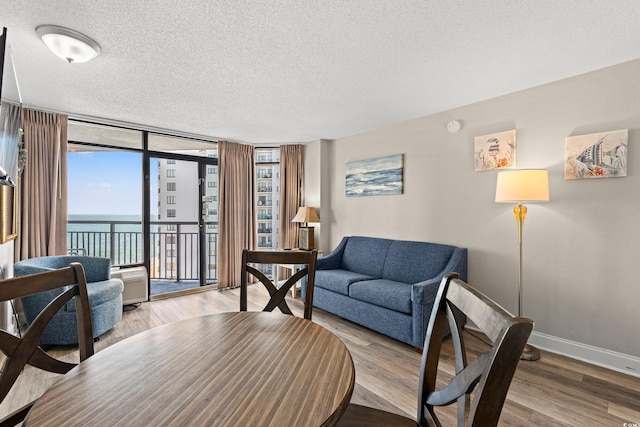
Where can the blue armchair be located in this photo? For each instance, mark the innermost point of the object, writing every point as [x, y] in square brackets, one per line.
[105, 297]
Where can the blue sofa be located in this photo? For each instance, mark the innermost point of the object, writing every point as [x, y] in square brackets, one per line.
[385, 285]
[105, 297]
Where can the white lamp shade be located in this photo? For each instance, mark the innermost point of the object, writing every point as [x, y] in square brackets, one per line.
[523, 185]
[69, 45]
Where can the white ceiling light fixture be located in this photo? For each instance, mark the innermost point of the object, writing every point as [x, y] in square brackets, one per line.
[69, 45]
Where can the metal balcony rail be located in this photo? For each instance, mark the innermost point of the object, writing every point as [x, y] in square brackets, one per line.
[174, 246]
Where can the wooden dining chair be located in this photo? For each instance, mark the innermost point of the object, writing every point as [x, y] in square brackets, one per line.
[488, 376]
[307, 259]
[69, 283]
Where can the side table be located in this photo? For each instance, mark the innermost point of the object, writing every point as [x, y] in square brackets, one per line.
[294, 268]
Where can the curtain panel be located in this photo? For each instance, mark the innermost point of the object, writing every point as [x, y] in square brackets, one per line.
[42, 188]
[237, 211]
[291, 175]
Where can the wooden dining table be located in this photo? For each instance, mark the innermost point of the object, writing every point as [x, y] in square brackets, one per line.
[228, 369]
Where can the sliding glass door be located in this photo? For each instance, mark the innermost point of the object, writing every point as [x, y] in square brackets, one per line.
[183, 217]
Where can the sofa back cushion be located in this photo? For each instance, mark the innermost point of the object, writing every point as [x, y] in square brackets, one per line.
[413, 262]
[365, 255]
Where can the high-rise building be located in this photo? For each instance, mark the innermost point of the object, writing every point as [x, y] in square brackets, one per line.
[177, 241]
[268, 196]
[177, 213]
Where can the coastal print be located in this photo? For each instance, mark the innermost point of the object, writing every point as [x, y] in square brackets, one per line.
[597, 155]
[373, 177]
[495, 151]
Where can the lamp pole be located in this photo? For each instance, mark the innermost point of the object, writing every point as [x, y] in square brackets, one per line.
[520, 212]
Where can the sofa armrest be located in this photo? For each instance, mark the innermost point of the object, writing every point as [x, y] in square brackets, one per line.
[423, 297]
[457, 263]
[424, 293]
[333, 260]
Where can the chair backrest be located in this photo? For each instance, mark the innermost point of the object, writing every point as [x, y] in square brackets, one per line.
[305, 259]
[23, 350]
[489, 375]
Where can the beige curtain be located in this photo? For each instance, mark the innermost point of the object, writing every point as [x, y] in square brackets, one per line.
[42, 188]
[237, 215]
[291, 173]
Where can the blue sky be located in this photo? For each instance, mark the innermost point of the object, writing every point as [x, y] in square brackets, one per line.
[107, 183]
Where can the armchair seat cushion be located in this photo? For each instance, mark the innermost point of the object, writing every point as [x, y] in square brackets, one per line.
[395, 296]
[101, 292]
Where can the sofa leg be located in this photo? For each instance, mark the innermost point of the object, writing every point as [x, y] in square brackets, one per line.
[418, 350]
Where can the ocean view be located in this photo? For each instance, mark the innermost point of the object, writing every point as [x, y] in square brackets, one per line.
[95, 238]
[120, 238]
[104, 223]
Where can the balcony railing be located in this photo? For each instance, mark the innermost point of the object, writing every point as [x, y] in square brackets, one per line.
[174, 246]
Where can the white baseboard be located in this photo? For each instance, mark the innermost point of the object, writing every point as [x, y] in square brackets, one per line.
[596, 356]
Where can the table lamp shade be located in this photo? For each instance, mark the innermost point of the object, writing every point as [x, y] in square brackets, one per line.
[523, 185]
[306, 214]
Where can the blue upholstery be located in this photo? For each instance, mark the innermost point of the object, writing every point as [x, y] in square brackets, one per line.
[105, 297]
[402, 254]
[340, 280]
[386, 285]
[385, 293]
[365, 255]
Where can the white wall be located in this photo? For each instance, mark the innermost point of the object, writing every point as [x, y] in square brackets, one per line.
[581, 251]
[317, 191]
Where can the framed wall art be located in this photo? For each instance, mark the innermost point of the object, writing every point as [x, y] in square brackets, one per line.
[8, 213]
[495, 151]
[596, 155]
[373, 177]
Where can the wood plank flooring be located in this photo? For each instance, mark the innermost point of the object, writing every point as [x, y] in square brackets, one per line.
[554, 391]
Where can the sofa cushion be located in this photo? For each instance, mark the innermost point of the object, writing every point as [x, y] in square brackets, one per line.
[413, 262]
[365, 255]
[338, 280]
[384, 293]
[100, 292]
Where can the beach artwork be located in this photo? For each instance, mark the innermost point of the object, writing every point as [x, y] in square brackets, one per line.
[495, 151]
[597, 155]
[373, 177]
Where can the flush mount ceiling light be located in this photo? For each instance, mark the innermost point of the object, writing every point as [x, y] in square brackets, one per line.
[69, 45]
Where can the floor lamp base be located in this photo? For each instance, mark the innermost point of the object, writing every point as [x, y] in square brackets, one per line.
[530, 353]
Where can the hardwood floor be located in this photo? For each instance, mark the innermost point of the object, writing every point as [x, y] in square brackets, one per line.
[554, 391]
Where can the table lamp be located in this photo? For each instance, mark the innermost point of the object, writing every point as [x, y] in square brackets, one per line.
[306, 215]
[518, 186]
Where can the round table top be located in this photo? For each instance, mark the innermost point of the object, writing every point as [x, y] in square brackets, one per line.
[228, 369]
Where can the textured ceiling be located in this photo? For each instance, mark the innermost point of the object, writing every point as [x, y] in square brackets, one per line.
[272, 71]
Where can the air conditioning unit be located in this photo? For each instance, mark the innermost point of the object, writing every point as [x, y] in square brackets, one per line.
[135, 284]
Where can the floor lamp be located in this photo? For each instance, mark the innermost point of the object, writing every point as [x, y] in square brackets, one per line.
[518, 186]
